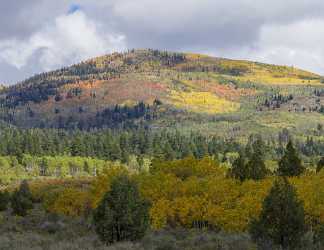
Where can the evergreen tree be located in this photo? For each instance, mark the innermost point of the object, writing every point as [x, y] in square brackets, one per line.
[256, 168]
[77, 147]
[168, 151]
[122, 214]
[115, 152]
[290, 164]
[239, 170]
[21, 200]
[255, 143]
[4, 200]
[282, 220]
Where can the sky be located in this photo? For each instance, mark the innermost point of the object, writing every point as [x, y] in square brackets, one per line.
[42, 35]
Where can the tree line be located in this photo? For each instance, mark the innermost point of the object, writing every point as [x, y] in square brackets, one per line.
[142, 142]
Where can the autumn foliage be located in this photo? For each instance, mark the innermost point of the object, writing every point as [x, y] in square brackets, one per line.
[189, 193]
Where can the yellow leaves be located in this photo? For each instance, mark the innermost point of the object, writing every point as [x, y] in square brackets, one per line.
[269, 79]
[310, 190]
[204, 102]
[182, 211]
[159, 186]
[229, 220]
[186, 193]
[159, 213]
[223, 192]
[71, 202]
[186, 210]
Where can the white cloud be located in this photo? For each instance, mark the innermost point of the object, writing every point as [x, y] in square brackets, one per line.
[69, 39]
[274, 31]
[296, 44]
[299, 44]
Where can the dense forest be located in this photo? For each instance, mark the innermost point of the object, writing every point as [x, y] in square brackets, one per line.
[167, 144]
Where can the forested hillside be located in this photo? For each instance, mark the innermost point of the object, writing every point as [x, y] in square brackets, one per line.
[157, 89]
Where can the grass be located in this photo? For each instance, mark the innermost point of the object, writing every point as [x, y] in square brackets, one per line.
[43, 231]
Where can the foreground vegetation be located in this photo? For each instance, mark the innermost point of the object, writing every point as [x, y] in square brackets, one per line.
[214, 206]
[51, 232]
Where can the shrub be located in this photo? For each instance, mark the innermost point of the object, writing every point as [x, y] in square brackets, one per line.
[71, 202]
[122, 214]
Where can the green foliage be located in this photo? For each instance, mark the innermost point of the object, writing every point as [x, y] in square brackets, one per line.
[239, 170]
[21, 200]
[122, 214]
[290, 164]
[282, 219]
[4, 200]
[255, 167]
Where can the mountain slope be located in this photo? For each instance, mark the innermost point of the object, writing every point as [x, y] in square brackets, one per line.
[154, 87]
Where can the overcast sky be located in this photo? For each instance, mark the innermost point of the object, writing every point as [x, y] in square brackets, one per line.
[41, 35]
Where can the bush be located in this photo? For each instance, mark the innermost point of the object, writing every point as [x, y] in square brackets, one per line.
[122, 214]
[21, 200]
[71, 202]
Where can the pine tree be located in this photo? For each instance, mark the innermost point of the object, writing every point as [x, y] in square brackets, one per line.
[21, 200]
[168, 151]
[4, 200]
[239, 170]
[256, 168]
[122, 214]
[290, 164]
[282, 220]
[77, 147]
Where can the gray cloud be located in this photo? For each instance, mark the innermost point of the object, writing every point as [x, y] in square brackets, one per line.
[43, 33]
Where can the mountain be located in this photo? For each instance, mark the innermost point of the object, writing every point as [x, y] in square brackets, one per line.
[165, 89]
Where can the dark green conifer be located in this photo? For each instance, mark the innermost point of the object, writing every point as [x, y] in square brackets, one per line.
[290, 164]
[4, 200]
[21, 200]
[239, 170]
[282, 220]
[122, 214]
